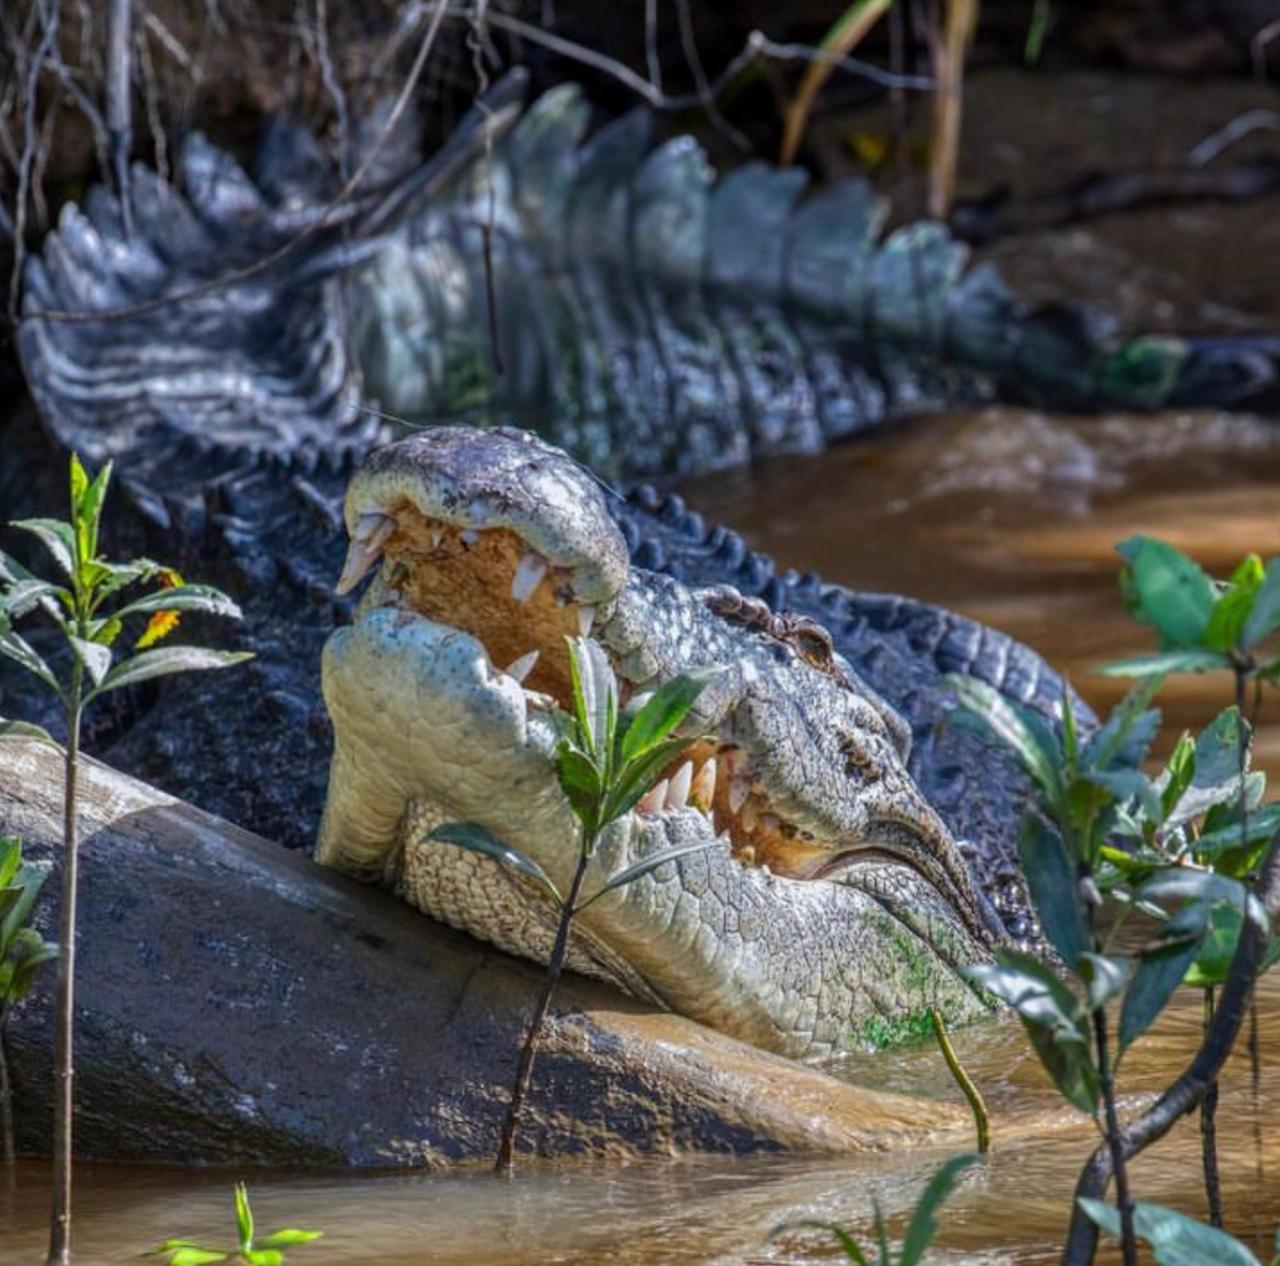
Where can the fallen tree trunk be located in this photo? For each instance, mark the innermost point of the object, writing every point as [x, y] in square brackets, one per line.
[240, 1004]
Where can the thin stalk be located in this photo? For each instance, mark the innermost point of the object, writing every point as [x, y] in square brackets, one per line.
[119, 102]
[1107, 1083]
[6, 1096]
[1209, 1131]
[958, 28]
[524, 1071]
[64, 1062]
[977, 1105]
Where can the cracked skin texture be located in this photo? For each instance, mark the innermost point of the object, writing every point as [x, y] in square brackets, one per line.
[829, 907]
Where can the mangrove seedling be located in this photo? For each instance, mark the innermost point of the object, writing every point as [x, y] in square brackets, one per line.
[269, 1250]
[921, 1230]
[85, 607]
[606, 760]
[1177, 850]
[22, 952]
[1174, 1238]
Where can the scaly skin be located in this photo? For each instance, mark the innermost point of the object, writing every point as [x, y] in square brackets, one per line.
[843, 914]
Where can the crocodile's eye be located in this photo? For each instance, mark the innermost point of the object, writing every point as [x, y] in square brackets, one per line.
[814, 645]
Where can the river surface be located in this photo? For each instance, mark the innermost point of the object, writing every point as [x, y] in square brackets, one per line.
[1007, 516]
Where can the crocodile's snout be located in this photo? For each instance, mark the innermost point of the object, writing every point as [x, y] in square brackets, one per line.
[492, 548]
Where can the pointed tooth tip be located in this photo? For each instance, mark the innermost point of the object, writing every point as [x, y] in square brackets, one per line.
[522, 667]
[528, 576]
[586, 619]
[359, 562]
[678, 791]
[653, 801]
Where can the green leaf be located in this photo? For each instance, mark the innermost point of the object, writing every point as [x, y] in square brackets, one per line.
[1175, 1239]
[641, 868]
[1051, 876]
[1124, 785]
[1220, 846]
[924, 1225]
[1234, 605]
[183, 598]
[95, 658]
[1162, 663]
[23, 595]
[1167, 589]
[595, 696]
[1186, 883]
[1128, 732]
[580, 781]
[1180, 769]
[287, 1238]
[10, 858]
[1052, 1016]
[1010, 725]
[668, 706]
[31, 878]
[244, 1216]
[14, 647]
[57, 537]
[476, 839]
[1264, 619]
[262, 1256]
[190, 1255]
[14, 730]
[88, 511]
[1104, 976]
[1160, 972]
[1222, 935]
[166, 660]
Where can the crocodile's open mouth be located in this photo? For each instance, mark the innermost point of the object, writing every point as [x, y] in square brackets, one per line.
[445, 559]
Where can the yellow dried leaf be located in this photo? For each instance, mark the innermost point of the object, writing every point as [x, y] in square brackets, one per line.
[161, 624]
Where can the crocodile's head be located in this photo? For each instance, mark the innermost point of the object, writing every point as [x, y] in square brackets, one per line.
[830, 906]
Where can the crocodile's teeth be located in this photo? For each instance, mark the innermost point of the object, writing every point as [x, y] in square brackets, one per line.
[748, 816]
[586, 618]
[770, 821]
[367, 539]
[739, 790]
[522, 667]
[703, 790]
[528, 576]
[653, 800]
[678, 792]
[436, 536]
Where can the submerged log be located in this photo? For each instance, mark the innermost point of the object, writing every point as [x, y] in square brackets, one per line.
[238, 1003]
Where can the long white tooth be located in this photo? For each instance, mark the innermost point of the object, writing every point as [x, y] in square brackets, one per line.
[586, 618]
[528, 576]
[373, 528]
[748, 818]
[436, 536]
[522, 667]
[678, 792]
[362, 554]
[739, 790]
[653, 799]
[703, 791]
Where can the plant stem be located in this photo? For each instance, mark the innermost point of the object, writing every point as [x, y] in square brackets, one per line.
[64, 1099]
[6, 1095]
[524, 1071]
[1107, 1083]
[1209, 1131]
[977, 1105]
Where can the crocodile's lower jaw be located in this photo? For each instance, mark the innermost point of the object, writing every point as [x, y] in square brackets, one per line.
[429, 730]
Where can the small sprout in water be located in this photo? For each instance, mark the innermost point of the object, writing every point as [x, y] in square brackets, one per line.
[269, 1250]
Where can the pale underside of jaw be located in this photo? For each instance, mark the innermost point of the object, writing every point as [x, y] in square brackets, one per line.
[519, 607]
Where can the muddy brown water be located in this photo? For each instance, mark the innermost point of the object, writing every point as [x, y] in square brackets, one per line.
[1010, 517]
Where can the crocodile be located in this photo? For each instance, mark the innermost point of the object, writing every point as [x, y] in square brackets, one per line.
[237, 351]
[829, 897]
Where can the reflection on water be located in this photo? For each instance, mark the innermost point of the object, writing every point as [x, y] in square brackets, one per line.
[1010, 518]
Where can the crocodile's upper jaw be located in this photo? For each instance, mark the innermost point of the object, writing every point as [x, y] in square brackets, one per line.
[494, 547]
